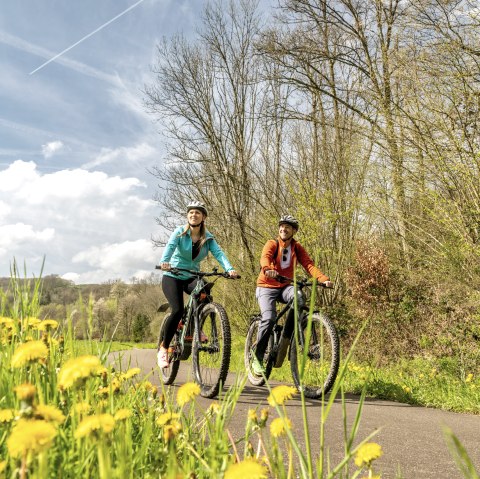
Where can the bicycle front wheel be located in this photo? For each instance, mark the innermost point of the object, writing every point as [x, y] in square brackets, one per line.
[315, 364]
[211, 349]
[168, 374]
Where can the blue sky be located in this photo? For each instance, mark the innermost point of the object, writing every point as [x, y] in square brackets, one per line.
[75, 140]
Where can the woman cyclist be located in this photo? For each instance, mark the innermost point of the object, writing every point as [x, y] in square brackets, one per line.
[187, 247]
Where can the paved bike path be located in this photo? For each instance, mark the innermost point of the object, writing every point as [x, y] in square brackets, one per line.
[411, 437]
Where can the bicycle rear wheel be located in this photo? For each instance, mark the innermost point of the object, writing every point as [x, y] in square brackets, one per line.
[168, 375]
[211, 349]
[320, 358]
[250, 345]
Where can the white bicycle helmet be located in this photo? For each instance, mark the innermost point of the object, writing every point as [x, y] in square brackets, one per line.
[197, 205]
[289, 220]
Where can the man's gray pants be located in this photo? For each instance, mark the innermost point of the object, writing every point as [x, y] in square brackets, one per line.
[267, 299]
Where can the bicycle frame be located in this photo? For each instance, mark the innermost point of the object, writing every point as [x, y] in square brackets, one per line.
[192, 311]
[277, 330]
[198, 297]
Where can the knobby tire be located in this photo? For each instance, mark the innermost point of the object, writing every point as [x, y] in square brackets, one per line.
[211, 358]
[322, 359]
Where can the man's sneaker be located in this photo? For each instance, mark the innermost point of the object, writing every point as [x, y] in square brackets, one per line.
[162, 358]
[257, 367]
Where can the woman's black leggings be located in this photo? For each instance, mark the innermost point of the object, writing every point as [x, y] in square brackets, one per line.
[173, 289]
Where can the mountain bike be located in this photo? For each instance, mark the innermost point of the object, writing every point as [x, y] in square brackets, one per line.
[204, 333]
[314, 349]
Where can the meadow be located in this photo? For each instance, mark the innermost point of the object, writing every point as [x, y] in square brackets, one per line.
[66, 412]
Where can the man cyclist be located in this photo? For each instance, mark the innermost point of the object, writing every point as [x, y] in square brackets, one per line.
[280, 257]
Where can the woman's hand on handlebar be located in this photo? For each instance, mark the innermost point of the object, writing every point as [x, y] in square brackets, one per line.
[165, 266]
[233, 274]
[327, 284]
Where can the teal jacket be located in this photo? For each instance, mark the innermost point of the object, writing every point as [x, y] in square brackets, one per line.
[178, 252]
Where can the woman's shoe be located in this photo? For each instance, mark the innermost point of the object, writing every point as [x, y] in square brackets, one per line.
[162, 358]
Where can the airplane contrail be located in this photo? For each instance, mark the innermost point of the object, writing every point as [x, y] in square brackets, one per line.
[86, 36]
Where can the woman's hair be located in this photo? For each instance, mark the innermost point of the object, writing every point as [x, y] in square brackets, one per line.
[203, 233]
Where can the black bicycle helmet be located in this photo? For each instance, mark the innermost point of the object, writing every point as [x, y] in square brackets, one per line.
[197, 205]
[289, 220]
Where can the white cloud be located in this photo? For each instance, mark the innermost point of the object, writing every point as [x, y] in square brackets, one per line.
[18, 233]
[51, 148]
[67, 214]
[118, 255]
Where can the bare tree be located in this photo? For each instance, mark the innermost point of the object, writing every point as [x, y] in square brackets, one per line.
[346, 50]
[207, 95]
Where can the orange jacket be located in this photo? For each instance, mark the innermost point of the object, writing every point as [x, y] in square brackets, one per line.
[299, 256]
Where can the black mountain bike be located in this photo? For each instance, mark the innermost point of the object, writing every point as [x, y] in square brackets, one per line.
[316, 343]
[204, 332]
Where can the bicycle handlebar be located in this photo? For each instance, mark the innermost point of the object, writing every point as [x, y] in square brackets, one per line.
[199, 274]
[302, 282]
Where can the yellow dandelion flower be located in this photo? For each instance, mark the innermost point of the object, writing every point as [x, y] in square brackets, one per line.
[8, 323]
[25, 391]
[166, 418]
[252, 415]
[34, 322]
[103, 391]
[279, 426]
[469, 378]
[7, 415]
[171, 430]
[82, 408]
[75, 370]
[100, 423]
[123, 414]
[406, 389]
[131, 373]
[30, 436]
[116, 385]
[49, 413]
[247, 468]
[280, 394]
[28, 353]
[187, 392]
[147, 386]
[47, 325]
[367, 453]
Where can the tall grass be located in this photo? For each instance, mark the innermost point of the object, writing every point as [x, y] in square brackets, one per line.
[65, 412]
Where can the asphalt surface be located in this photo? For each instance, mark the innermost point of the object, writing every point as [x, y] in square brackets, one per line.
[411, 437]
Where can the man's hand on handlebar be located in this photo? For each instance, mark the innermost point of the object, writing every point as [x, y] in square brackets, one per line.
[328, 284]
[233, 274]
[271, 273]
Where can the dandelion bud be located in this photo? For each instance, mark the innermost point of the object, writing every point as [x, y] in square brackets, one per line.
[263, 417]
